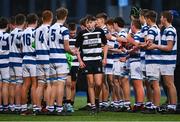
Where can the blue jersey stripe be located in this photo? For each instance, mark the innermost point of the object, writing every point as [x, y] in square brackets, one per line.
[12, 54]
[4, 65]
[14, 64]
[134, 61]
[153, 52]
[42, 52]
[54, 50]
[29, 62]
[42, 61]
[4, 56]
[135, 56]
[58, 60]
[29, 54]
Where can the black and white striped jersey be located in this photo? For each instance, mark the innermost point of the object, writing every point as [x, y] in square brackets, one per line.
[90, 43]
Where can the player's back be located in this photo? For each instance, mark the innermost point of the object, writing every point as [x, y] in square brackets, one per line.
[42, 46]
[16, 45]
[58, 33]
[4, 49]
[28, 43]
[4, 43]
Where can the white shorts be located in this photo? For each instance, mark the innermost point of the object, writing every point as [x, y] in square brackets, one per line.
[118, 68]
[136, 71]
[43, 73]
[108, 70]
[58, 69]
[167, 69]
[4, 74]
[29, 70]
[16, 71]
[153, 72]
[143, 65]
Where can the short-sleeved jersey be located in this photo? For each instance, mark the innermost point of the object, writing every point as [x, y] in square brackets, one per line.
[90, 42]
[4, 49]
[169, 34]
[144, 32]
[15, 55]
[72, 42]
[105, 29]
[110, 55]
[28, 40]
[58, 34]
[122, 33]
[42, 46]
[136, 56]
[153, 56]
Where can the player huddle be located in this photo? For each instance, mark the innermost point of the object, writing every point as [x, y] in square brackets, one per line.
[45, 61]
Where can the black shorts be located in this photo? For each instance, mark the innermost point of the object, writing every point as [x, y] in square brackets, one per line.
[74, 73]
[93, 67]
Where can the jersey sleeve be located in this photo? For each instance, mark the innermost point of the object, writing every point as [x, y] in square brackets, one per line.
[79, 40]
[123, 34]
[151, 34]
[137, 38]
[65, 34]
[170, 35]
[103, 38]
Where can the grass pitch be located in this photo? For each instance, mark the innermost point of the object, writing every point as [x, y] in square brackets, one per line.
[84, 116]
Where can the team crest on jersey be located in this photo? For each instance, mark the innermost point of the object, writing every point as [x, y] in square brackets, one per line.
[85, 37]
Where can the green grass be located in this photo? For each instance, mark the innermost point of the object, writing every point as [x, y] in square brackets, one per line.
[84, 116]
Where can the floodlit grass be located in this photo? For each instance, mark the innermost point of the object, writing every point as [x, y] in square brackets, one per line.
[84, 116]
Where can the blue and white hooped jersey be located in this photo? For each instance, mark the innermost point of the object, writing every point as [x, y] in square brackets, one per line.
[42, 44]
[122, 34]
[136, 56]
[153, 56]
[15, 55]
[4, 49]
[169, 34]
[58, 34]
[72, 42]
[28, 40]
[110, 55]
[144, 32]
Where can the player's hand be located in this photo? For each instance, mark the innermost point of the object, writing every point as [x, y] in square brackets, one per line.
[104, 62]
[142, 45]
[123, 59]
[124, 50]
[152, 47]
[82, 65]
[108, 36]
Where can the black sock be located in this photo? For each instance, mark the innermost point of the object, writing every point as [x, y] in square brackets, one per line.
[72, 103]
[68, 101]
[97, 102]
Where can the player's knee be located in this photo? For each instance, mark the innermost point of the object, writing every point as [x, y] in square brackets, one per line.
[68, 84]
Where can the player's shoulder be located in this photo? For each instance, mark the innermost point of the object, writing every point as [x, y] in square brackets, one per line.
[99, 29]
[54, 26]
[171, 28]
[6, 34]
[15, 30]
[63, 28]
